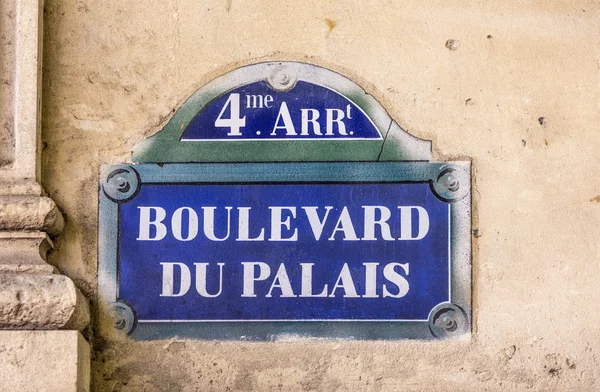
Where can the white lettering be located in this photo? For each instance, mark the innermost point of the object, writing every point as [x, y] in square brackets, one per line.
[370, 280]
[244, 226]
[268, 101]
[331, 119]
[192, 224]
[406, 223]
[145, 223]
[344, 224]
[310, 116]
[347, 284]
[400, 281]
[209, 223]
[201, 279]
[370, 222]
[281, 281]
[234, 122]
[316, 224]
[277, 223]
[168, 280]
[288, 125]
[306, 288]
[250, 277]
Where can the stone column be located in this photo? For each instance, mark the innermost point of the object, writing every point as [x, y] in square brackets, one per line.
[33, 296]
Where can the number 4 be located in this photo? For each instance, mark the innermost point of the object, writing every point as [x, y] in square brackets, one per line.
[234, 122]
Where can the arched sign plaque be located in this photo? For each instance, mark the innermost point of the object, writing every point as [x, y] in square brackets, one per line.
[282, 200]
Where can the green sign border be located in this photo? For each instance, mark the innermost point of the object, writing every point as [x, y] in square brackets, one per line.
[396, 145]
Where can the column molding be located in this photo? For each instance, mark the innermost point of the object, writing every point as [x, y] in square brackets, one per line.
[32, 293]
[44, 309]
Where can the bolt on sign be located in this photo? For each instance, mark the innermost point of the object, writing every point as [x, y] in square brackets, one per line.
[281, 200]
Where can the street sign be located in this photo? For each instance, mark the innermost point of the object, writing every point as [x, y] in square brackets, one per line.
[269, 250]
[306, 111]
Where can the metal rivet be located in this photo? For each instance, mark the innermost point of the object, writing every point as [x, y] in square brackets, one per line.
[281, 79]
[448, 320]
[123, 317]
[452, 183]
[121, 184]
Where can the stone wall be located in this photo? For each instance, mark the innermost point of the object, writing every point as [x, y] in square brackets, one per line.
[516, 92]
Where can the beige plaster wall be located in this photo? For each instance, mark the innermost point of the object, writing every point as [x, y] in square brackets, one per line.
[114, 71]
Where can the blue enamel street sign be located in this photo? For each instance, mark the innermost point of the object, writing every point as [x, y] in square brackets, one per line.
[284, 251]
[333, 222]
[258, 112]
[196, 245]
